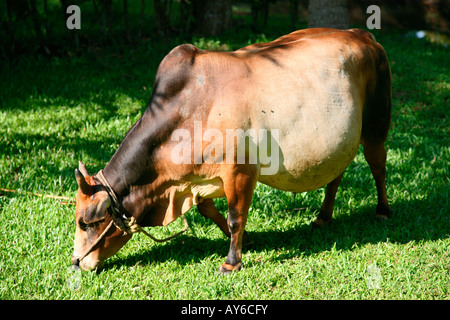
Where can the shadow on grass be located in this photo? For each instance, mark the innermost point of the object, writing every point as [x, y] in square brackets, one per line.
[410, 222]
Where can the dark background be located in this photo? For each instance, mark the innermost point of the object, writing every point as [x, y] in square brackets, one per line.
[39, 26]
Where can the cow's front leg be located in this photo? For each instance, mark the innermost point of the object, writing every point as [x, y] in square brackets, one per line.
[239, 191]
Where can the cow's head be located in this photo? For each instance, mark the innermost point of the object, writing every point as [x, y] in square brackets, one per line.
[92, 217]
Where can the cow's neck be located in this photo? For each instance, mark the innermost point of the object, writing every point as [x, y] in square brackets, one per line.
[130, 163]
[132, 169]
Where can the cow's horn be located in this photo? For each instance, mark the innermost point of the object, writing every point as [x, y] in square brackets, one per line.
[84, 186]
[83, 169]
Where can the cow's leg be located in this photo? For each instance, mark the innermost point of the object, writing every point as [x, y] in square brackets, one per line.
[375, 155]
[209, 210]
[239, 191]
[375, 127]
[326, 211]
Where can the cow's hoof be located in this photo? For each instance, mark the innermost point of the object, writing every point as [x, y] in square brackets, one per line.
[382, 217]
[319, 223]
[226, 268]
[383, 213]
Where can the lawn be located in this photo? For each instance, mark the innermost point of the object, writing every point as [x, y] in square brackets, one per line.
[56, 111]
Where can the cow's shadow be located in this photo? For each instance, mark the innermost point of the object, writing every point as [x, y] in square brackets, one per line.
[346, 232]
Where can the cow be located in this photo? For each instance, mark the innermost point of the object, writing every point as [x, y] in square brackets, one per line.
[314, 95]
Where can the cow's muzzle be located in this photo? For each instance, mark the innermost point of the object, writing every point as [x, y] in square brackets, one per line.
[75, 261]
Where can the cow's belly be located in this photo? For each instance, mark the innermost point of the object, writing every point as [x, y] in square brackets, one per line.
[312, 159]
[300, 170]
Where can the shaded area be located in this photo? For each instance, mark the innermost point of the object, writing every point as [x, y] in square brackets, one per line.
[45, 26]
[346, 233]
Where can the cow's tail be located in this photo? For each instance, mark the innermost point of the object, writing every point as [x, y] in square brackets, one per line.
[378, 102]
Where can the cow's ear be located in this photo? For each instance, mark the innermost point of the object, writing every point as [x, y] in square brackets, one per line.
[96, 211]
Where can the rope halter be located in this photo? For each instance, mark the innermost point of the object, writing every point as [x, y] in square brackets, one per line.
[122, 222]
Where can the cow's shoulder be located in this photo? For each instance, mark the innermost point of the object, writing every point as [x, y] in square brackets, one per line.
[184, 53]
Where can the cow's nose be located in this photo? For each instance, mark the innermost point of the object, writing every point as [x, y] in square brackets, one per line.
[75, 261]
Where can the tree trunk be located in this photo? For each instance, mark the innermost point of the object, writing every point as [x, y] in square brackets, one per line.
[127, 25]
[9, 28]
[186, 15]
[106, 18]
[141, 17]
[162, 15]
[212, 17]
[260, 14]
[328, 14]
[293, 12]
[35, 16]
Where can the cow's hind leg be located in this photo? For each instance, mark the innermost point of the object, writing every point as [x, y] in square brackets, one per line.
[239, 192]
[375, 128]
[326, 211]
[375, 155]
[208, 209]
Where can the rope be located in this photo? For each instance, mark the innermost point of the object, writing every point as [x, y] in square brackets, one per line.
[130, 225]
[49, 196]
[88, 250]
[135, 228]
[100, 176]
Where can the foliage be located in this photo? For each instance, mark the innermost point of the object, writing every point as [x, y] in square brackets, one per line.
[39, 26]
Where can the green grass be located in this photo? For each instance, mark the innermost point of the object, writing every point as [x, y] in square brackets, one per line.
[57, 111]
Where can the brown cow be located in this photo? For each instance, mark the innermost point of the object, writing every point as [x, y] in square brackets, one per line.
[289, 113]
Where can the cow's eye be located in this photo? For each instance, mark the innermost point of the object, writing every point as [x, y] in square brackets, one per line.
[82, 225]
